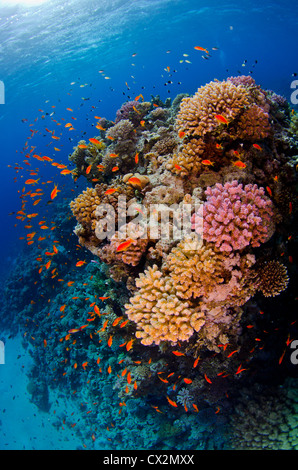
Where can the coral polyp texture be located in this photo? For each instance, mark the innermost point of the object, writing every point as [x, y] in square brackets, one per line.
[197, 114]
[235, 216]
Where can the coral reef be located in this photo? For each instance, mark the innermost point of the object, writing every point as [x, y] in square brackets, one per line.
[172, 298]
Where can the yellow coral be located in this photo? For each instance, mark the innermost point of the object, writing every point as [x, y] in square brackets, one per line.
[197, 113]
[159, 314]
[188, 160]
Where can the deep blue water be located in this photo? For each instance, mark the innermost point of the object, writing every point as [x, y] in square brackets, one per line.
[44, 48]
[48, 51]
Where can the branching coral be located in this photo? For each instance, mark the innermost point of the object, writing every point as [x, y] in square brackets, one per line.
[235, 216]
[197, 113]
[271, 278]
[214, 286]
[158, 313]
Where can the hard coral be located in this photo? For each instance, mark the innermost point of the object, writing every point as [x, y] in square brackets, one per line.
[158, 313]
[197, 113]
[235, 216]
[272, 278]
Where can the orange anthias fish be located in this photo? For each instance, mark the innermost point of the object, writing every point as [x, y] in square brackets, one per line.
[31, 181]
[82, 146]
[110, 191]
[198, 48]
[173, 403]
[54, 192]
[207, 162]
[94, 141]
[134, 181]
[80, 263]
[129, 345]
[257, 146]
[88, 169]
[220, 118]
[125, 245]
[239, 164]
[187, 381]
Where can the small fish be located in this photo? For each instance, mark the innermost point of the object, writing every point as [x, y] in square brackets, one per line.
[196, 362]
[94, 141]
[129, 345]
[47, 266]
[220, 118]
[110, 191]
[125, 245]
[134, 181]
[115, 322]
[115, 168]
[181, 134]
[74, 330]
[239, 370]
[178, 167]
[31, 181]
[96, 310]
[207, 379]
[136, 158]
[290, 207]
[257, 146]
[82, 146]
[187, 381]
[239, 164]
[178, 353]
[114, 155]
[54, 192]
[269, 191]
[198, 48]
[233, 352]
[172, 403]
[88, 169]
[207, 162]
[110, 340]
[80, 263]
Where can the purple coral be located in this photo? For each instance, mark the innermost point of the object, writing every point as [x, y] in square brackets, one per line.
[235, 216]
[128, 111]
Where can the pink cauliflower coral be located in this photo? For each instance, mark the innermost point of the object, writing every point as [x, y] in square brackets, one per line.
[235, 216]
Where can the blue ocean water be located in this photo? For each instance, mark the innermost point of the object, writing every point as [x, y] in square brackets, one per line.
[91, 56]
